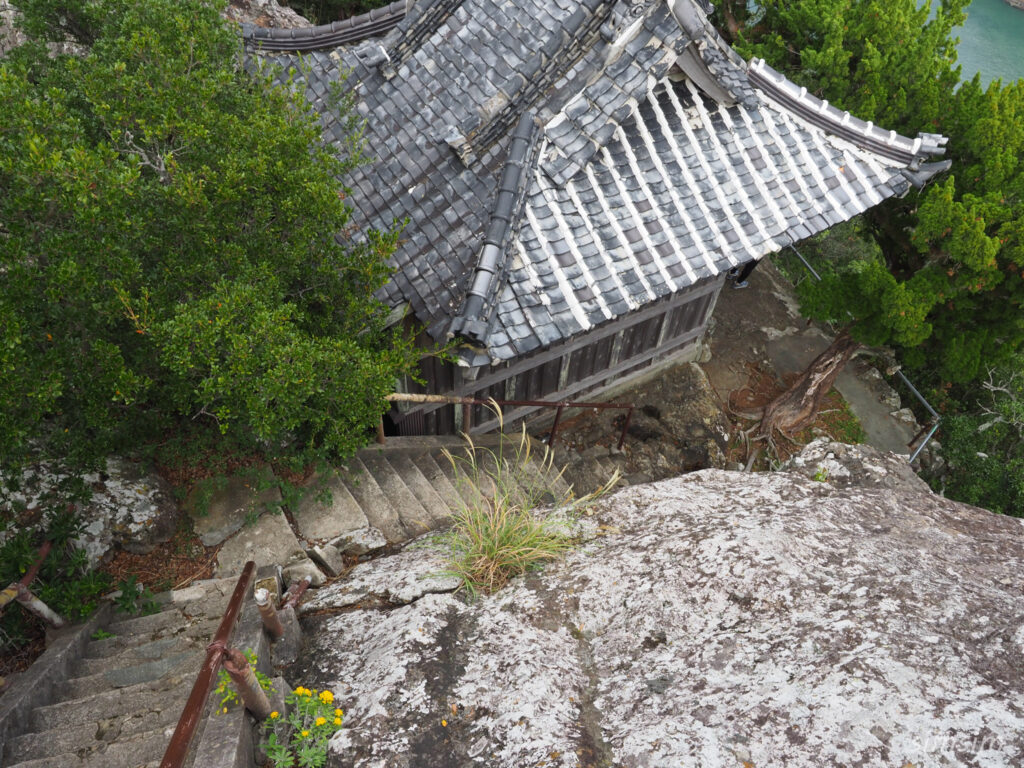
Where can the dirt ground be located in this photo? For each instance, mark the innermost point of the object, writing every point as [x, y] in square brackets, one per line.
[694, 416]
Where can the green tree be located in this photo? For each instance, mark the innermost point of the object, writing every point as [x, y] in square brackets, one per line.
[938, 276]
[177, 253]
[984, 446]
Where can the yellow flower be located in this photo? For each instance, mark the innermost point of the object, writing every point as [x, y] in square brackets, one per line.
[444, 723]
[338, 713]
[305, 734]
[225, 710]
[300, 691]
[320, 721]
[327, 697]
[337, 721]
[274, 715]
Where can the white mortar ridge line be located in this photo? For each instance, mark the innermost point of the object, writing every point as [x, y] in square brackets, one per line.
[815, 171]
[567, 290]
[824, 146]
[567, 237]
[724, 158]
[531, 274]
[773, 207]
[691, 181]
[705, 119]
[877, 171]
[620, 235]
[799, 174]
[872, 159]
[611, 265]
[631, 206]
[681, 208]
[773, 167]
[712, 181]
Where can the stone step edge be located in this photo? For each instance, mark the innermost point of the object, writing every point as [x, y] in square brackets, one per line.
[35, 687]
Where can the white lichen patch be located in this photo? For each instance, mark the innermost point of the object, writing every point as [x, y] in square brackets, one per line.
[714, 619]
[417, 570]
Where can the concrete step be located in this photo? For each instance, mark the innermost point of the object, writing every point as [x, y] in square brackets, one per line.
[117, 675]
[413, 516]
[168, 692]
[142, 654]
[460, 477]
[186, 630]
[92, 735]
[317, 521]
[137, 751]
[438, 480]
[436, 508]
[204, 589]
[170, 616]
[372, 500]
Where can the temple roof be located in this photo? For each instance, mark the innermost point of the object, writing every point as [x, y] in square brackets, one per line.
[560, 163]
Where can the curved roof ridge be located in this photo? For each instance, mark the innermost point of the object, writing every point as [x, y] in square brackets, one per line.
[351, 30]
[473, 319]
[863, 134]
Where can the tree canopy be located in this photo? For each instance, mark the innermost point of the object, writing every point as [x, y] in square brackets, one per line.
[178, 255]
[939, 273]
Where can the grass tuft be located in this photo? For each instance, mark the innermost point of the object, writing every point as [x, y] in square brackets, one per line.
[501, 535]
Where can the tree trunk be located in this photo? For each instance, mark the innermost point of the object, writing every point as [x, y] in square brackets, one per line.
[732, 25]
[797, 407]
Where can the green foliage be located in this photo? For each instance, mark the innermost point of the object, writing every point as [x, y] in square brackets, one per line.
[326, 11]
[984, 445]
[884, 60]
[102, 634]
[134, 598]
[500, 536]
[299, 738]
[64, 582]
[940, 276]
[170, 255]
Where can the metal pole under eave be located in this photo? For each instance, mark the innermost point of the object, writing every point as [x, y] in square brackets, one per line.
[625, 428]
[554, 427]
[917, 451]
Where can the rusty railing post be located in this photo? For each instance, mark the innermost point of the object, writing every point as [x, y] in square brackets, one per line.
[467, 416]
[248, 687]
[34, 605]
[625, 427]
[19, 591]
[295, 592]
[271, 621]
[381, 438]
[554, 426]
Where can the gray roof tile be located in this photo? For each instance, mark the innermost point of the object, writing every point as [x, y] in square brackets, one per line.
[632, 193]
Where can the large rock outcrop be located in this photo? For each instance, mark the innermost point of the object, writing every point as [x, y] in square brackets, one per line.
[832, 614]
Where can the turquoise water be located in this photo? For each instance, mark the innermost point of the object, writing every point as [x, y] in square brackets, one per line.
[992, 41]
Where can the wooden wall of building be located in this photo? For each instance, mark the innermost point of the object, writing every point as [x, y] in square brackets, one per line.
[569, 371]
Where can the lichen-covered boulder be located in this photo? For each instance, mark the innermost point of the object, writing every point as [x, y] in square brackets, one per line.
[130, 507]
[798, 618]
[265, 13]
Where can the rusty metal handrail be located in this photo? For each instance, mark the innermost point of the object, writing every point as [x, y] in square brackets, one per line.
[466, 402]
[19, 591]
[185, 731]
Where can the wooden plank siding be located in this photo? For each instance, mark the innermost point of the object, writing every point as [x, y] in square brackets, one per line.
[582, 365]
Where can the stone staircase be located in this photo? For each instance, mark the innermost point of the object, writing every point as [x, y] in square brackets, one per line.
[389, 494]
[108, 694]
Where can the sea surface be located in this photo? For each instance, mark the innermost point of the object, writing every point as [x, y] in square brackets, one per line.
[992, 42]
